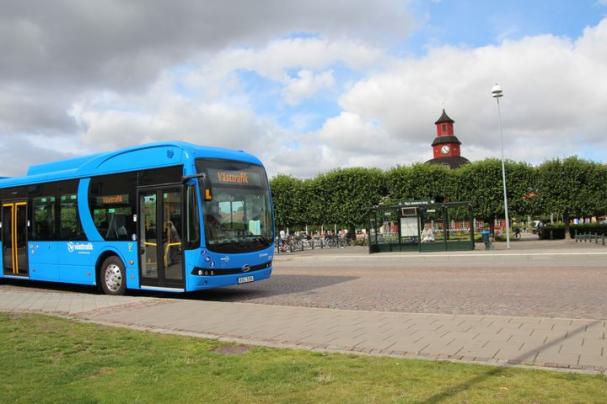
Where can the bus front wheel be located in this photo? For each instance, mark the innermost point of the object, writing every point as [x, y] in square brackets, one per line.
[113, 276]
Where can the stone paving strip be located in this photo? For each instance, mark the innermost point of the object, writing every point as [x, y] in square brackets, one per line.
[18, 299]
[578, 344]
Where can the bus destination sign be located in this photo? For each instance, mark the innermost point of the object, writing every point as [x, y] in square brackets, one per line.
[113, 199]
[242, 177]
[233, 177]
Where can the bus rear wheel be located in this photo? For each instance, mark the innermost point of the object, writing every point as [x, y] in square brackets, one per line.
[113, 276]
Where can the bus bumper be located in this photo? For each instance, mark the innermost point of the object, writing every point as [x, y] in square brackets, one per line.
[198, 282]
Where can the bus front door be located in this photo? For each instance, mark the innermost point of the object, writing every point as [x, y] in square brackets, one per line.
[14, 238]
[160, 245]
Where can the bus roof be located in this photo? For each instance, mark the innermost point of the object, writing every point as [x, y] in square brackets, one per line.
[141, 157]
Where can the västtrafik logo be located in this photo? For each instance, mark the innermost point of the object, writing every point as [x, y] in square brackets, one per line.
[85, 247]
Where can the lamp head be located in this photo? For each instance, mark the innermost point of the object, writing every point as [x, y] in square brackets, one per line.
[496, 91]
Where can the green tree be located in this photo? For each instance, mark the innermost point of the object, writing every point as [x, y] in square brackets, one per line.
[287, 200]
[346, 194]
[522, 184]
[572, 187]
[481, 183]
[420, 182]
[312, 206]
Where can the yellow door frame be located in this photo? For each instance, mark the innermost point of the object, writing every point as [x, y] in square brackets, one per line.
[14, 248]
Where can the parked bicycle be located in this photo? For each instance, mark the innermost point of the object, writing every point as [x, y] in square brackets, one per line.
[302, 241]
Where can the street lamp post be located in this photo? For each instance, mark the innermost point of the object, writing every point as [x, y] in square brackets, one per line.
[497, 93]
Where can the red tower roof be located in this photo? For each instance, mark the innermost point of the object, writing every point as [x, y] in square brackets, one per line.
[444, 118]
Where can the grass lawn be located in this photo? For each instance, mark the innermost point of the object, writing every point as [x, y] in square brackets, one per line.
[47, 359]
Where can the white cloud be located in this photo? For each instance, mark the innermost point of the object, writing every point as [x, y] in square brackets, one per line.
[553, 106]
[349, 133]
[127, 43]
[212, 124]
[553, 103]
[22, 151]
[306, 84]
[216, 111]
[273, 61]
[61, 60]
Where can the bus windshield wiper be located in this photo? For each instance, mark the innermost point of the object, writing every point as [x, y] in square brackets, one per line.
[264, 240]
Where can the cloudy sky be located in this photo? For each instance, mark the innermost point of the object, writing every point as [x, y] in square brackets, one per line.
[305, 85]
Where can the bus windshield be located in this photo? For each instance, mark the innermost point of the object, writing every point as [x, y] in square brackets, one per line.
[236, 208]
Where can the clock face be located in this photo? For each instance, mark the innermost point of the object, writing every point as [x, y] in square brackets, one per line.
[445, 149]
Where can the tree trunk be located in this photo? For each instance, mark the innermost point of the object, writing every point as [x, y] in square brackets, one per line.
[352, 232]
[566, 226]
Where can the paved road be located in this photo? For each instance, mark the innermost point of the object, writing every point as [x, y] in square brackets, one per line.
[568, 283]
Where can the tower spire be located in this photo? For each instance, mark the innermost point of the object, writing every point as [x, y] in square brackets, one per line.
[444, 118]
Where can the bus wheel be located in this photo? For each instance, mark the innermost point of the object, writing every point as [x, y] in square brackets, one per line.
[113, 276]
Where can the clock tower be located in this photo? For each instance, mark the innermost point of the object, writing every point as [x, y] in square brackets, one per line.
[446, 146]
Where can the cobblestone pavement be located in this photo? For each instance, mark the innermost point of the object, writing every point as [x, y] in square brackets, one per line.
[55, 300]
[559, 343]
[566, 283]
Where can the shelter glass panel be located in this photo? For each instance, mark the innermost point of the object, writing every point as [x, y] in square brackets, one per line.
[460, 231]
[421, 227]
[433, 225]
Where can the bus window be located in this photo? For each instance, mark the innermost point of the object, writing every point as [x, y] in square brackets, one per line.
[112, 204]
[43, 216]
[69, 225]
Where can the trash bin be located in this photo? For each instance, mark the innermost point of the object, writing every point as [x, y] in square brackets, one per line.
[486, 236]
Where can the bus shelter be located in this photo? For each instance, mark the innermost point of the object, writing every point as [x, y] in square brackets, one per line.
[421, 226]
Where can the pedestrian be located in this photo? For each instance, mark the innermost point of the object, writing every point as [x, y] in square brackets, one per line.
[486, 236]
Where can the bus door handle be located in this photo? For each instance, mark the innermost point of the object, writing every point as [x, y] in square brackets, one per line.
[143, 245]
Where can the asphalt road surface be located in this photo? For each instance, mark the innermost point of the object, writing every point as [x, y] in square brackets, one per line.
[569, 283]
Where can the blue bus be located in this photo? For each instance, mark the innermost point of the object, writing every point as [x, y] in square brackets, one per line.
[165, 216]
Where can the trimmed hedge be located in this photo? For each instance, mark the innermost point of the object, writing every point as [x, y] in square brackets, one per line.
[594, 228]
[557, 231]
[567, 188]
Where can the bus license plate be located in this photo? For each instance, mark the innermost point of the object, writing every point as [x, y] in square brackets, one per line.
[246, 279]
